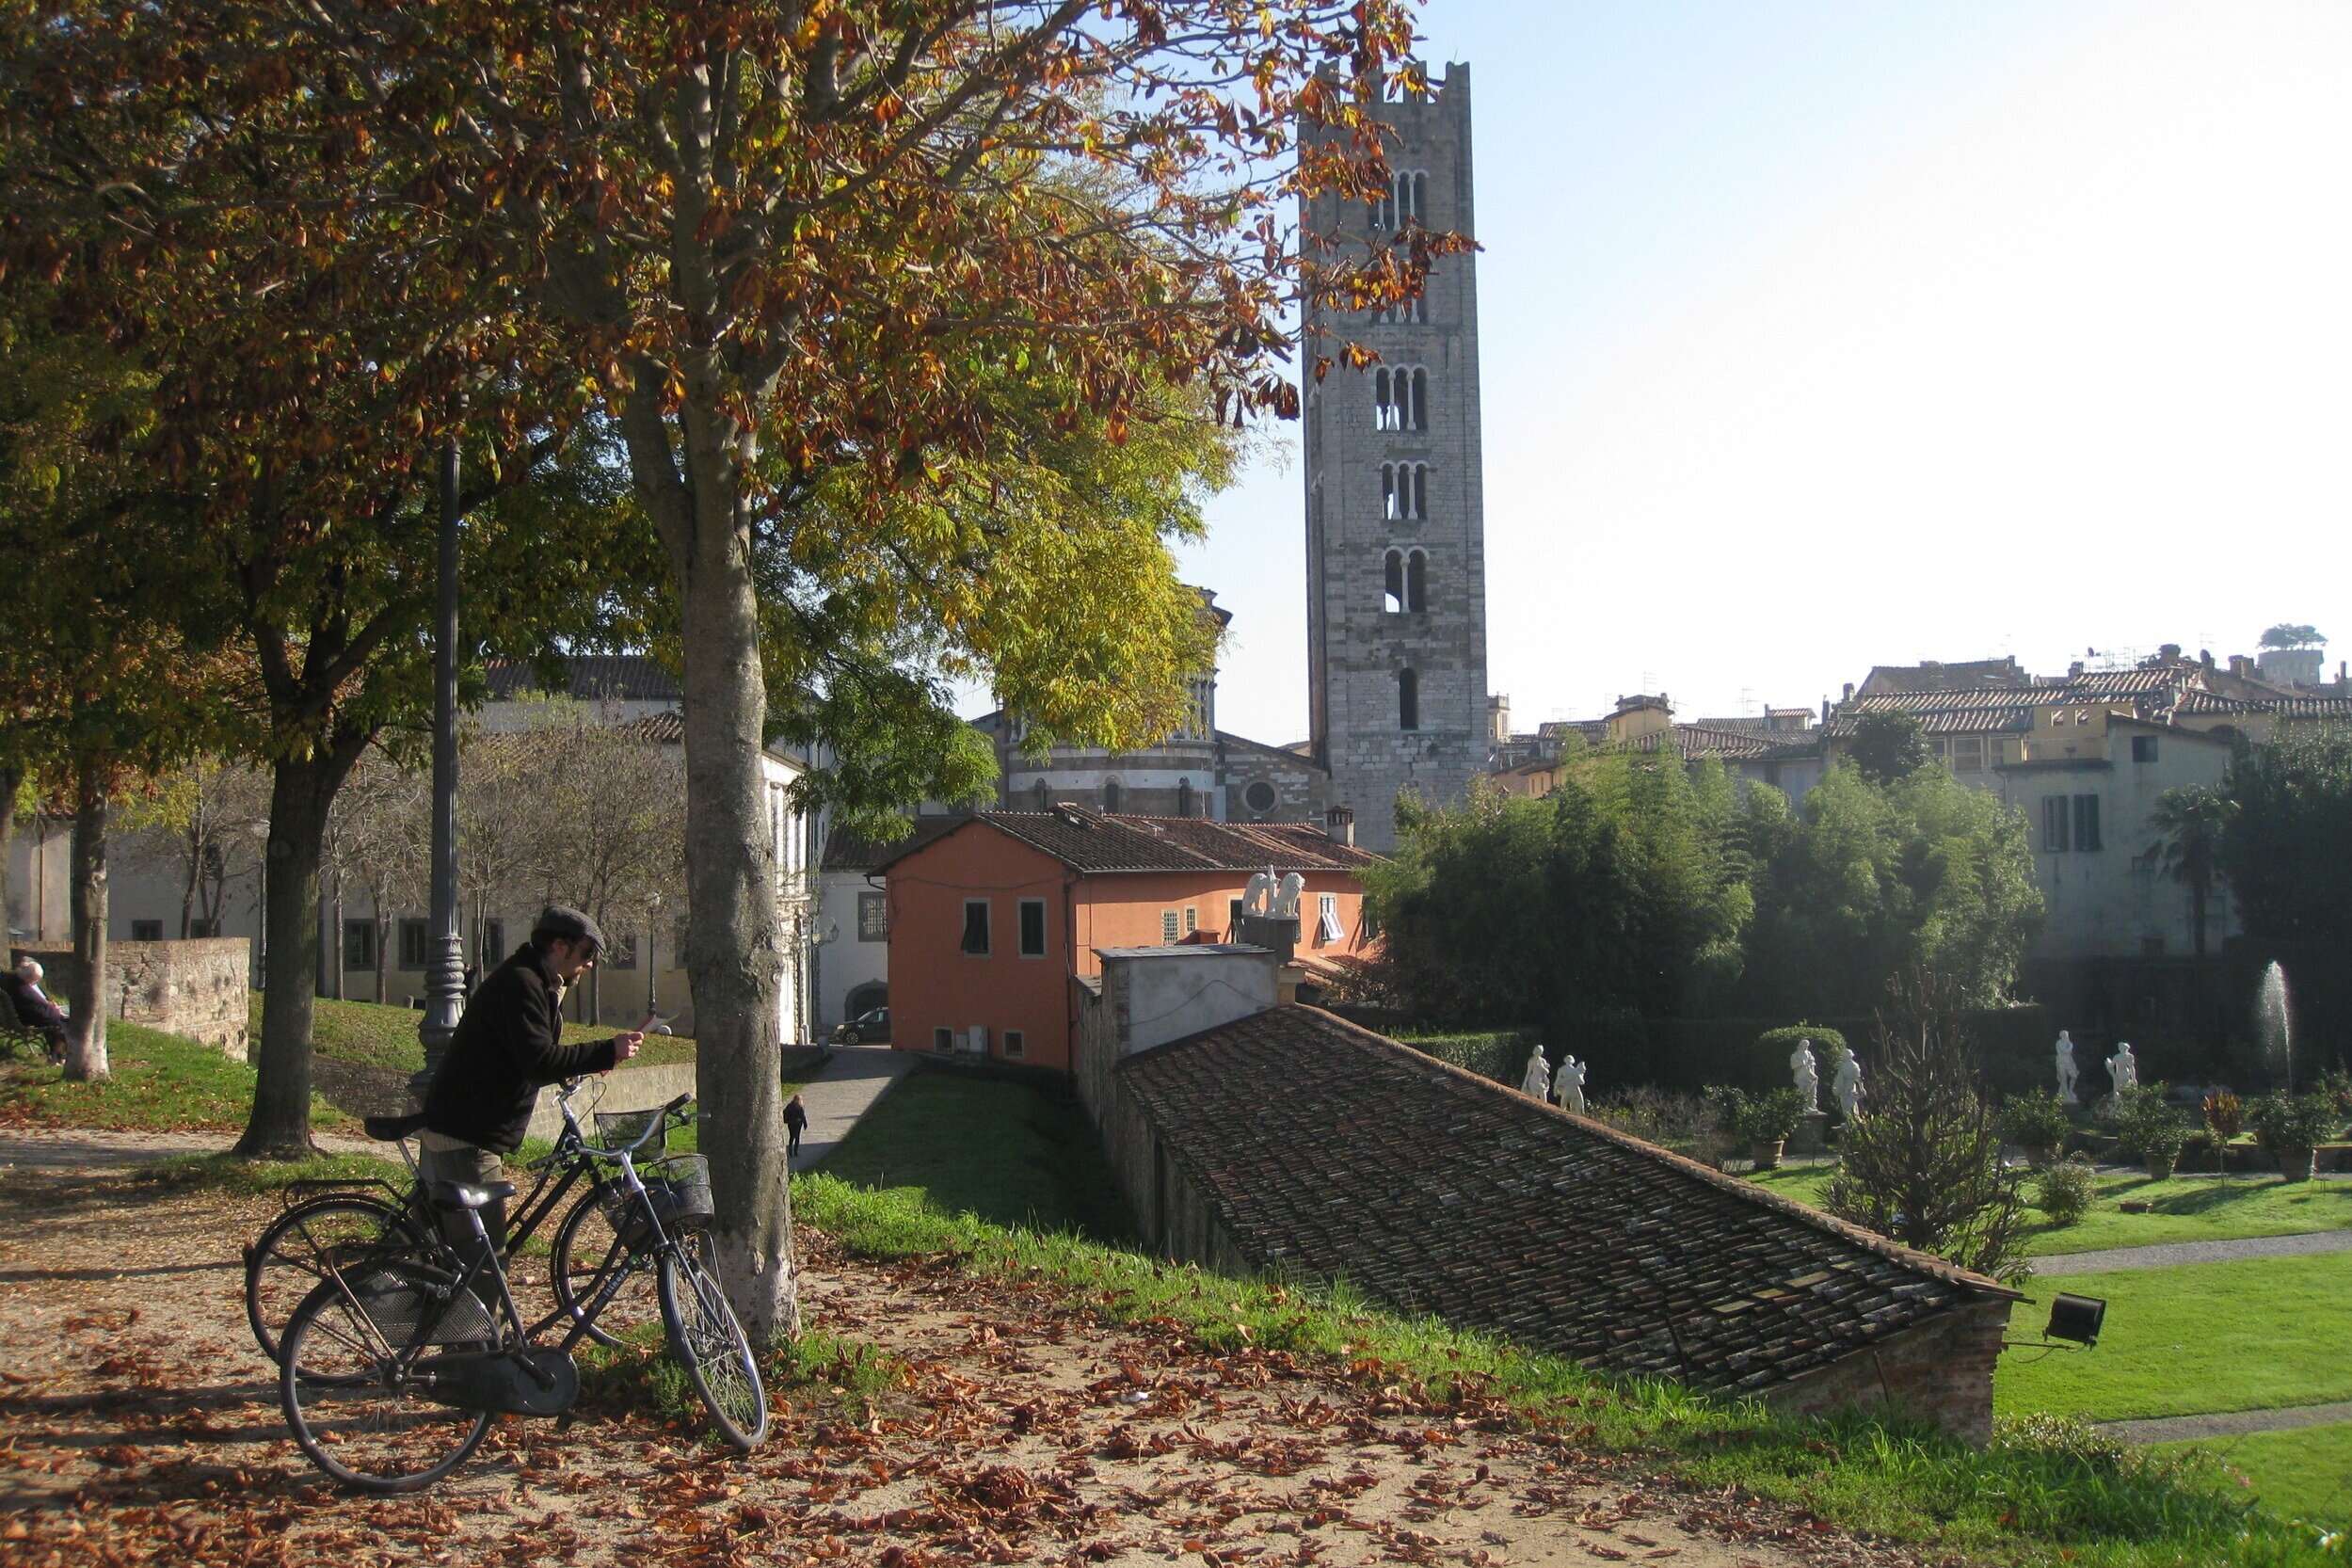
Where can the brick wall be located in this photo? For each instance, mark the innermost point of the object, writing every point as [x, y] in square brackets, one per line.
[197, 988]
[1940, 1370]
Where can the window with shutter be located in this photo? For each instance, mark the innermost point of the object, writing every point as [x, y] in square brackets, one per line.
[976, 927]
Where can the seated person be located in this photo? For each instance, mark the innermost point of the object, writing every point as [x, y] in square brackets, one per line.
[507, 1048]
[34, 1009]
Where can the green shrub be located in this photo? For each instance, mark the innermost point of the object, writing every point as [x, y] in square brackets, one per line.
[1725, 1108]
[2036, 1120]
[2147, 1125]
[1659, 1116]
[2293, 1125]
[1500, 1054]
[2064, 1190]
[1771, 1117]
[1776, 1045]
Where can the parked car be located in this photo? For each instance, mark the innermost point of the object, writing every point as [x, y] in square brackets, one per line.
[867, 1028]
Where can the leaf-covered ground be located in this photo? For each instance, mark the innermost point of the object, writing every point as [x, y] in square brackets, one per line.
[986, 1420]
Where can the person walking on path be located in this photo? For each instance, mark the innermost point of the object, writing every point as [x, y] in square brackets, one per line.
[507, 1048]
[795, 1123]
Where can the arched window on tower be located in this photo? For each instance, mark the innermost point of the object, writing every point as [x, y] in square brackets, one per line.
[1111, 795]
[1416, 581]
[1184, 798]
[1392, 586]
[1419, 510]
[1408, 700]
[1419, 403]
[1388, 402]
[1044, 797]
[1405, 491]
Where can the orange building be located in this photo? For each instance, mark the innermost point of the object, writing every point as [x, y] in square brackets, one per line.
[993, 924]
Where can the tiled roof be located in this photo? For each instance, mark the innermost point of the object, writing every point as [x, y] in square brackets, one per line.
[1086, 841]
[1330, 1150]
[590, 678]
[667, 729]
[845, 851]
[2213, 702]
[1977, 719]
[1976, 673]
[2287, 706]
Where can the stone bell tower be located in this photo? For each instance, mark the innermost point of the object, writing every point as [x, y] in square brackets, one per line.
[1396, 536]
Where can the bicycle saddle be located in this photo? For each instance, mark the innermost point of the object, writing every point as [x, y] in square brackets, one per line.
[386, 1130]
[459, 1194]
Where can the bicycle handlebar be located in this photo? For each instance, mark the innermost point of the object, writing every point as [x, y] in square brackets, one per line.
[653, 1124]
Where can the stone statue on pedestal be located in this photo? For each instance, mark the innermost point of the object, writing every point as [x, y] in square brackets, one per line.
[1568, 1085]
[1537, 1080]
[1847, 1086]
[1807, 1074]
[2067, 1071]
[2123, 1068]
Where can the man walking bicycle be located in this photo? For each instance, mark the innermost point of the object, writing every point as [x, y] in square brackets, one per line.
[507, 1048]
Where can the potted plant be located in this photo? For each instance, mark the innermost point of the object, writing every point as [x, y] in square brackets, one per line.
[2036, 1123]
[2224, 1118]
[1766, 1121]
[2150, 1128]
[1722, 1108]
[2291, 1129]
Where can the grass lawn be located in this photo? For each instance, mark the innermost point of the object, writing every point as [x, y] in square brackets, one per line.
[1011, 1154]
[2251, 1335]
[374, 1037]
[161, 1083]
[2186, 1209]
[2303, 1475]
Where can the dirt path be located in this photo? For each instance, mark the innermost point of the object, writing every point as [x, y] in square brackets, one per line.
[138, 1419]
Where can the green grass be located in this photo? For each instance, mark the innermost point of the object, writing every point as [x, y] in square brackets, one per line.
[2303, 1475]
[1003, 1151]
[161, 1082]
[370, 1036]
[2196, 1337]
[2185, 1208]
[2043, 1494]
[227, 1173]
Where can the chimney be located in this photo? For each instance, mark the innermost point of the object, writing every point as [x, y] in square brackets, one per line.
[2170, 654]
[1339, 823]
[1849, 693]
[1156, 995]
[2241, 667]
[2204, 657]
[2076, 668]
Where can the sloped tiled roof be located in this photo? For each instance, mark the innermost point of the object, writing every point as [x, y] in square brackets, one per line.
[845, 851]
[590, 678]
[1087, 841]
[1975, 673]
[1328, 1149]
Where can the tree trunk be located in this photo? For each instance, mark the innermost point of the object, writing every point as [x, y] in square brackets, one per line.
[2196, 915]
[383, 954]
[188, 888]
[299, 796]
[734, 943]
[11, 779]
[85, 1040]
[335, 942]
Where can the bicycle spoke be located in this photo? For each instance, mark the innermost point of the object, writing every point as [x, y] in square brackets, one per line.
[352, 1411]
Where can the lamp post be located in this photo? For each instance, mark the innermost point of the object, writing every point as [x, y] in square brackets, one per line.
[445, 954]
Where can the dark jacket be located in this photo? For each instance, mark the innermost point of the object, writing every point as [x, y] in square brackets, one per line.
[34, 1011]
[506, 1048]
[795, 1114]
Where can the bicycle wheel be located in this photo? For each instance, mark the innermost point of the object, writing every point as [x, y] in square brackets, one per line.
[712, 1344]
[301, 1246]
[345, 1399]
[578, 1267]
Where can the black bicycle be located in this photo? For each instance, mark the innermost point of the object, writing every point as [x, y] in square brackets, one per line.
[394, 1366]
[327, 1223]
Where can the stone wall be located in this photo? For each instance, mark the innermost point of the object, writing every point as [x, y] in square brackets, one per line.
[197, 988]
[1940, 1370]
[624, 1089]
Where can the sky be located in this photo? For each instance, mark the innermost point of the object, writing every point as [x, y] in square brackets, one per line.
[1817, 335]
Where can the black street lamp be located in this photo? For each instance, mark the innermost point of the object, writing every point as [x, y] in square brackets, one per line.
[445, 954]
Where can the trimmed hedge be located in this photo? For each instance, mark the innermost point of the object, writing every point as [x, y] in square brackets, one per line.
[1500, 1054]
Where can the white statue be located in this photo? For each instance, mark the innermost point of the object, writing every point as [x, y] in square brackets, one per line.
[1258, 893]
[1807, 1073]
[1847, 1086]
[1287, 897]
[1568, 1085]
[1537, 1080]
[2066, 1072]
[2123, 1067]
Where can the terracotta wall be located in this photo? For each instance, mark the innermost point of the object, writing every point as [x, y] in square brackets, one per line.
[194, 988]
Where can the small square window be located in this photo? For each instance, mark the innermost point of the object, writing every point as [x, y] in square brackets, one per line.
[358, 944]
[147, 930]
[1233, 919]
[1968, 753]
[1032, 928]
[1169, 926]
[943, 1040]
[622, 955]
[494, 943]
[1191, 919]
[415, 944]
[1327, 922]
[873, 916]
[2054, 824]
[2143, 749]
[976, 927]
[203, 928]
[2086, 822]
[1014, 1046]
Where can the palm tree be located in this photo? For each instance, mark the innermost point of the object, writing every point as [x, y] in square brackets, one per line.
[2189, 824]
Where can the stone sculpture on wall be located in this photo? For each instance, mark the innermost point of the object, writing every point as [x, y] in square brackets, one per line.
[2067, 1070]
[1568, 1085]
[1537, 1080]
[2123, 1068]
[1847, 1086]
[1807, 1074]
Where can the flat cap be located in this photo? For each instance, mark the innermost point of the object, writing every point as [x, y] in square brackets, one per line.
[561, 920]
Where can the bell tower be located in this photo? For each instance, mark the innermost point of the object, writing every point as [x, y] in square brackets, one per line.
[1396, 533]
